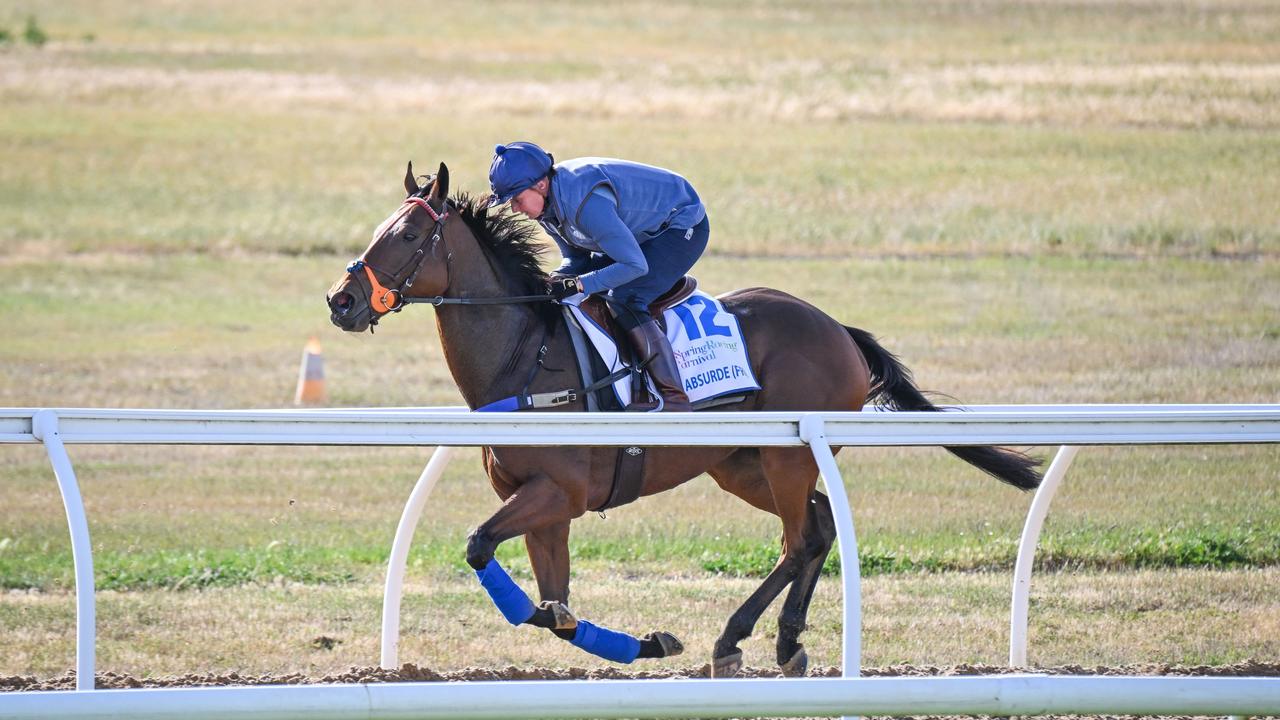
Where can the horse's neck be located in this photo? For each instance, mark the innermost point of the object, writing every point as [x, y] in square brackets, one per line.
[489, 348]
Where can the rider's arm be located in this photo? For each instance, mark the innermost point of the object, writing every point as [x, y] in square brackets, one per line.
[576, 260]
[599, 219]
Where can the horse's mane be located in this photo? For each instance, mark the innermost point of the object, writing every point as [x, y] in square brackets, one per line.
[514, 244]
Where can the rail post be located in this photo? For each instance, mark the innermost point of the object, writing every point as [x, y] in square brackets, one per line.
[1027, 553]
[44, 427]
[813, 433]
[394, 589]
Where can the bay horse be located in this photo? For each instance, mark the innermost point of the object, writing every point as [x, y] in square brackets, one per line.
[463, 254]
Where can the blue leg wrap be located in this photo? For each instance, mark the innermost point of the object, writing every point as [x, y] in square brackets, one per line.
[608, 644]
[514, 605]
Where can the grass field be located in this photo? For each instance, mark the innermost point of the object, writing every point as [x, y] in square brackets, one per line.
[1030, 201]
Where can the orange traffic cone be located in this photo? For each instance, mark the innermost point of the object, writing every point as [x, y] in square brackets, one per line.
[311, 375]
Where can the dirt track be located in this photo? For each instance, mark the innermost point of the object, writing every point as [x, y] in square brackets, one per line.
[412, 673]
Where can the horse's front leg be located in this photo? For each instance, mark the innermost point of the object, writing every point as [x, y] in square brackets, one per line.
[549, 555]
[548, 546]
[548, 550]
[536, 504]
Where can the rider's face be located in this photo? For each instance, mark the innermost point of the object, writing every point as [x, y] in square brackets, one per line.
[532, 201]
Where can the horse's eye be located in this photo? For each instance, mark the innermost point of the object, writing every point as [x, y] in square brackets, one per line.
[410, 237]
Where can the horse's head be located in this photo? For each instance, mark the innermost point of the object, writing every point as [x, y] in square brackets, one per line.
[406, 258]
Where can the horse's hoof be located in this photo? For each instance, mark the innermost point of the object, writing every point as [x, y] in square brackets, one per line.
[727, 666]
[671, 645]
[797, 665]
[562, 616]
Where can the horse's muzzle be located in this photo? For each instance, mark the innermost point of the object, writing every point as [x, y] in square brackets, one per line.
[342, 312]
[340, 303]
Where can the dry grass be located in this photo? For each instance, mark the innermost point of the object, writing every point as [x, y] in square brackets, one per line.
[1190, 617]
[1174, 95]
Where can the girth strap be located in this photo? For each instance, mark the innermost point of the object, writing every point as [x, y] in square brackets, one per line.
[537, 401]
[628, 476]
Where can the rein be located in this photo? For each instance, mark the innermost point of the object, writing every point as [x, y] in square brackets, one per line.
[510, 300]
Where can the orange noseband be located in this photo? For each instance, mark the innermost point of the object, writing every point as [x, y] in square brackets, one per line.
[380, 298]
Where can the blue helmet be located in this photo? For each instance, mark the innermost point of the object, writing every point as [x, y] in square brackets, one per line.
[516, 167]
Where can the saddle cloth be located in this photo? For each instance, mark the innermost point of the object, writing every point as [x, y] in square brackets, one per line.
[707, 343]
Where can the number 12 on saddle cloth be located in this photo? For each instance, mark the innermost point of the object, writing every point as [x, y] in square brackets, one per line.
[707, 343]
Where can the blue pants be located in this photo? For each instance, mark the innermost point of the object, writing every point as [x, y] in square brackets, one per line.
[670, 256]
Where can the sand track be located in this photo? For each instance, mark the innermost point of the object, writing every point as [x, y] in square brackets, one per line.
[413, 673]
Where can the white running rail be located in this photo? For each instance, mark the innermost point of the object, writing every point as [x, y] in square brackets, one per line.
[1066, 425]
[998, 695]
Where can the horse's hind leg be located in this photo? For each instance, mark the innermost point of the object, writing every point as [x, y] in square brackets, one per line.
[788, 475]
[820, 532]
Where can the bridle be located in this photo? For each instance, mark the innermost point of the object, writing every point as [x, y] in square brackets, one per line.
[384, 299]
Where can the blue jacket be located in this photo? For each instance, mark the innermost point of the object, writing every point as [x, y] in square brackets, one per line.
[611, 207]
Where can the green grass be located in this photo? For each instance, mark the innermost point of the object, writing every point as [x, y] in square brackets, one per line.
[200, 568]
[1081, 549]
[194, 570]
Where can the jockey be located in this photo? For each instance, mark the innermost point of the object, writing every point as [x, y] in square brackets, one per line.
[625, 229]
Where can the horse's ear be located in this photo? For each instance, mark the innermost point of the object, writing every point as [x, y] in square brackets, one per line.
[440, 190]
[410, 183]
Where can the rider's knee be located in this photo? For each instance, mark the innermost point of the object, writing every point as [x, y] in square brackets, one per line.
[630, 312]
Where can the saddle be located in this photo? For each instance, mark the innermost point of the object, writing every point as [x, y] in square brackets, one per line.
[598, 310]
[592, 369]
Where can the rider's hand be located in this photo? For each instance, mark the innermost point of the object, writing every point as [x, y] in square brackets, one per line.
[561, 287]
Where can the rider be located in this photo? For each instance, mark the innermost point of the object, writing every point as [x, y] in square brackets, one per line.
[626, 229]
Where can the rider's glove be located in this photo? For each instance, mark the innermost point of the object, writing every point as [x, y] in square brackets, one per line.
[562, 287]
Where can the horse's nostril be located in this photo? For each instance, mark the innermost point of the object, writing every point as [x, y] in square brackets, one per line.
[340, 302]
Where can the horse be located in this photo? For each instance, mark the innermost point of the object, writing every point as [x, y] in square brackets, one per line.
[482, 269]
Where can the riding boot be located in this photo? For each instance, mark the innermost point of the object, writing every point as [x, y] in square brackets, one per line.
[650, 343]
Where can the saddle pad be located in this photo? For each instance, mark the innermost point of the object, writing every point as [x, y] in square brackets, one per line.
[707, 342]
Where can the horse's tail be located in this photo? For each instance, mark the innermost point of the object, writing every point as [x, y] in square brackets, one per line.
[893, 388]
